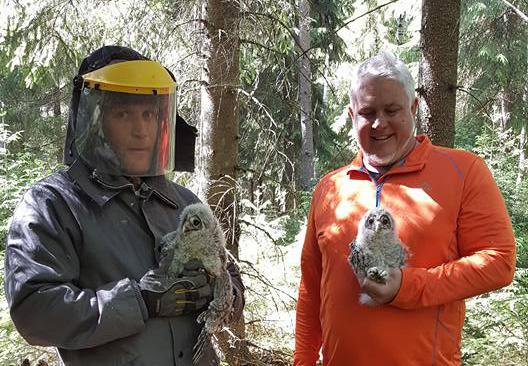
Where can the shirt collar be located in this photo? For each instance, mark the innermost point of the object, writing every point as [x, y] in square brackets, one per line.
[415, 160]
[103, 187]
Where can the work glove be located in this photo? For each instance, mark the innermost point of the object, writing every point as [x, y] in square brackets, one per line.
[170, 295]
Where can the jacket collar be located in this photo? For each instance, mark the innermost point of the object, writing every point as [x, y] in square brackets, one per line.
[102, 187]
[414, 161]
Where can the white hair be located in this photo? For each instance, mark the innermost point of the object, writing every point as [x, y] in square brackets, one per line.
[383, 65]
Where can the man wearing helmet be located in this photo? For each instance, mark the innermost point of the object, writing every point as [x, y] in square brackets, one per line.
[82, 269]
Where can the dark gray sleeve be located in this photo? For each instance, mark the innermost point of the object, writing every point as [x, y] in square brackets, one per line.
[41, 272]
[238, 291]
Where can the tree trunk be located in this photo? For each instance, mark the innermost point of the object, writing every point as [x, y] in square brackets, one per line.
[218, 144]
[289, 176]
[523, 146]
[508, 93]
[506, 106]
[3, 131]
[326, 74]
[57, 112]
[521, 168]
[438, 69]
[305, 97]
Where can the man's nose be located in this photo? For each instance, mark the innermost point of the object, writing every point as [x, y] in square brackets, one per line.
[139, 125]
[380, 121]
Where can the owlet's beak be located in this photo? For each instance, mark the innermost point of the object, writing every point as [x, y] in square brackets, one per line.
[187, 227]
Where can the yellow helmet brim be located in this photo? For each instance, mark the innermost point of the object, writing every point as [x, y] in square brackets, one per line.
[133, 77]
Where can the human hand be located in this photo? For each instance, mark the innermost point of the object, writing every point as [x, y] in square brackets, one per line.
[169, 296]
[383, 293]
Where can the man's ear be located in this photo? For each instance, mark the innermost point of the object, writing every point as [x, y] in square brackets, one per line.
[350, 112]
[414, 107]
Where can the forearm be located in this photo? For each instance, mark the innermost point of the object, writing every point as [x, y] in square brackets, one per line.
[308, 333]
[465, 277]
[485, 243]
[66, 317]
[308, 336]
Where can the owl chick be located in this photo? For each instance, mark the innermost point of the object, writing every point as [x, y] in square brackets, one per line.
[200, 237]
[376, 249]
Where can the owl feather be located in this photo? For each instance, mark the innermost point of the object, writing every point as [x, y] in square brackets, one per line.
[376, 249]
[200, 237]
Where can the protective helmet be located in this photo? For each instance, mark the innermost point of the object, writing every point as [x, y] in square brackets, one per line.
[123, 118]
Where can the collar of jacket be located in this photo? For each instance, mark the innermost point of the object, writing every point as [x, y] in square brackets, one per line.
[415, 161]
[102, 188]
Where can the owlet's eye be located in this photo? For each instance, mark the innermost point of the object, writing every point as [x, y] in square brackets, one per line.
[370, 221]
[195, 221]
[385, 220]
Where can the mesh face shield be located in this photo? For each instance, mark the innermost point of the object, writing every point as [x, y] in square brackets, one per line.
[126, 127]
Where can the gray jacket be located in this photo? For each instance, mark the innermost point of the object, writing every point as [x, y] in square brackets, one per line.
[77, 244]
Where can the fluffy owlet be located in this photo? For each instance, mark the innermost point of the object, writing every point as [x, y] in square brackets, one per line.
[376, 249]
[200, 237]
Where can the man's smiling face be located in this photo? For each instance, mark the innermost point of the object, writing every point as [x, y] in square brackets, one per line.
[383, 119]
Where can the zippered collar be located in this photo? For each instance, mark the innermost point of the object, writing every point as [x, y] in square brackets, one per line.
[414, 161]
[102, 187]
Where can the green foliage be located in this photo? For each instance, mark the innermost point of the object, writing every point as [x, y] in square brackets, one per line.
[33, 111]
[292, 223]
[398, 29]
[291, 226]
[466, 131]
[500, 151]
[493, 62]
[496, 331]
[329, 16]
[270, 131]
[333, 143]
[17, 172]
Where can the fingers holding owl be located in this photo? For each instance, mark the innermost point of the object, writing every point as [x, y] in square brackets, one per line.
[382, 293]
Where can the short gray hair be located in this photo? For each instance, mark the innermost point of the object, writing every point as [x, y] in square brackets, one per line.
[383, 65]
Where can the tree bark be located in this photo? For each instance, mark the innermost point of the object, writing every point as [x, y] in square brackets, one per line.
[219, 135]
[57, 112]
[508, 93]
[438, 69]
[305, 97]
[3, 131]
[523, 146]
[506, 107]
[521, 168]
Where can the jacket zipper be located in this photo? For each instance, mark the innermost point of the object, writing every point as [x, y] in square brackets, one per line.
[379, 186]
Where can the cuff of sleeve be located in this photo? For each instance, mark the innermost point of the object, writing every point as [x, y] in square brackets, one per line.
[141, 302]
[238, 304]
[406, 296]
[305, 358]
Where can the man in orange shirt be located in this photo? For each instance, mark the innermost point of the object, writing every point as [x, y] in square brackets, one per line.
[448, 211]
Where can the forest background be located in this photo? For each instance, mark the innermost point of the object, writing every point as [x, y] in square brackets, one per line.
[265, 82]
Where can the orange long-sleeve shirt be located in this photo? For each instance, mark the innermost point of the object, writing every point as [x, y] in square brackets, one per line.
[450, 213]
